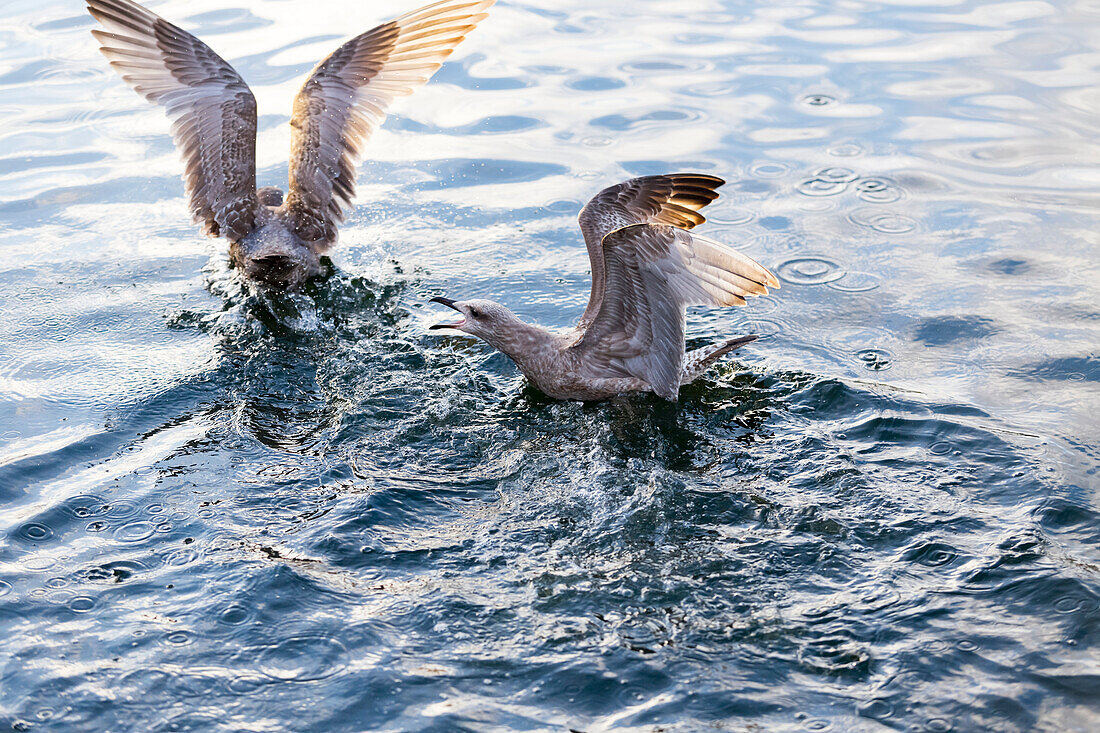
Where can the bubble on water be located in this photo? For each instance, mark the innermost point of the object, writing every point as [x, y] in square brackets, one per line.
[810, 270]
[769, 170]
[135, 532]
[876, 360]
[35, 532]
[82, 604]
[303, 658]
[856, 282]
[878, 191]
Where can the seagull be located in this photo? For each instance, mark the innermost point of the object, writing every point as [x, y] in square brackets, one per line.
[646, 268]
[276, 241]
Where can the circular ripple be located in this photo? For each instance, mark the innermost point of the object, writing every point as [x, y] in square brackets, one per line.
[810, 270]
[856, 282]
[135, 532]
[82, 604]
[877, 360]
[769, 170]
[5, 587]
[836, 174]
[845, 150]
[247, 683]
[882, 221]
[731, 217]
[821, 187]
[597, 141]
[941, 448]
[1070, 604]
[878, 191]
[83, 505]
[235, 615]
[35, 532]
[303, 658]
[818, 100]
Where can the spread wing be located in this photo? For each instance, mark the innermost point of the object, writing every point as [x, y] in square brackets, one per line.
[213, 111]
[346, 97]
[673, 199]
[653, 272]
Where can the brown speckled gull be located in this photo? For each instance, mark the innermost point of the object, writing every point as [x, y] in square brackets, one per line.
[275, 242]
[646, 268]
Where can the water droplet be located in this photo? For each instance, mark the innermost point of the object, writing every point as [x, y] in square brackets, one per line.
[303, 658]
[810, 270]
[135, 532]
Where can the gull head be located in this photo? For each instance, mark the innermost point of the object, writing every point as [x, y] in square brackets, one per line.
[482, 318]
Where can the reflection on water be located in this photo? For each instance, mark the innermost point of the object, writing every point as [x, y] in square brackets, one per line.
[226, 511]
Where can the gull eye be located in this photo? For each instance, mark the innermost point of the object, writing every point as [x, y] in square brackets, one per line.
[475, 313]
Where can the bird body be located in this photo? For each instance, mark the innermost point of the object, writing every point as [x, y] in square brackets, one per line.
[646, 268]
[274, 241]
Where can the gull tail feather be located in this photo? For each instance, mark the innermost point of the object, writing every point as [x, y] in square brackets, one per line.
[699, 360]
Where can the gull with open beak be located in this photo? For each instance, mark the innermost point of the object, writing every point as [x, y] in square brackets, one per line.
[273, 241]
[646, 268]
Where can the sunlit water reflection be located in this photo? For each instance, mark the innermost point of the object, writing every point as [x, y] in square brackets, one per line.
[230, 512]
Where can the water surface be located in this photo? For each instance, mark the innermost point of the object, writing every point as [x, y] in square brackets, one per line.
[225, 512]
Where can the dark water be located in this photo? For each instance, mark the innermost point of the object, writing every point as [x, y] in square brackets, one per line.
[228, 513]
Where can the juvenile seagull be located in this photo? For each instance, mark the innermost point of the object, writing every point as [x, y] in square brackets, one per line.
[273, 241]
[646, 267]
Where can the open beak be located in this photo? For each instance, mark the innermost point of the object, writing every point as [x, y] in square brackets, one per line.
[450, 304]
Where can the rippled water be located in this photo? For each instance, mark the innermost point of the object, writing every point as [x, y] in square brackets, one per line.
[229, 513]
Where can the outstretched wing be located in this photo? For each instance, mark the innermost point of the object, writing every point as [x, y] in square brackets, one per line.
[653, 272]
[673, 199]
[346, 97]
[213, 111]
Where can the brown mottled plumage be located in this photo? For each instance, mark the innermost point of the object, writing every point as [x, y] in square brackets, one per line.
[646, 268]
[213, 112]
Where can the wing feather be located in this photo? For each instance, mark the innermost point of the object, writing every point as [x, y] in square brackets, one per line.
[212, 110]
[673, 199]
[345, 99]
[654, 271]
